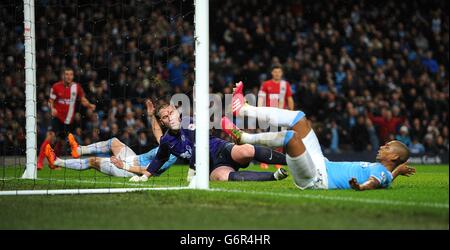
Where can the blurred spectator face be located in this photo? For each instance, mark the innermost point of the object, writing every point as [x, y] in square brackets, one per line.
[404, 130]
[361, 120]
[68, 76]
[277, 74]
[115, 129]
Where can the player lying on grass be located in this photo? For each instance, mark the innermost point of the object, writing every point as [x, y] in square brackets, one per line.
[225, 158]
[124, 161]
[306, 162]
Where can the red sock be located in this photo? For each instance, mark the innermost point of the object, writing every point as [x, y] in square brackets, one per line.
[58, 148]
[41, 156]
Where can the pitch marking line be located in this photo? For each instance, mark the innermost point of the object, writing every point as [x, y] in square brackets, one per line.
[341, 198]
[307, 196]
[43, 181]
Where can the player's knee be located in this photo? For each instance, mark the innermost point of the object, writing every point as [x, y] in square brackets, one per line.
[219, 176]
[94, 161]
[247, 151]
[115, 142]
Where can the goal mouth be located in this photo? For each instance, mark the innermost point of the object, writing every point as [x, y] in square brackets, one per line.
[120, 54]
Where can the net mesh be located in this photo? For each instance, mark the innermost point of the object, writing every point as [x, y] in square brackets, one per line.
[122, 52]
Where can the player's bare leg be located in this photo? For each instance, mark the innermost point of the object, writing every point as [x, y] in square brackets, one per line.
[298, 159]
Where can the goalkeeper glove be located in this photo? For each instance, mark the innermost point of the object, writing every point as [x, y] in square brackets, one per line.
[136, 178]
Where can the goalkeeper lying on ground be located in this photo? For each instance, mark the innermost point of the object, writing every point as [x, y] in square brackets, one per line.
[226, 158]
[306, 162]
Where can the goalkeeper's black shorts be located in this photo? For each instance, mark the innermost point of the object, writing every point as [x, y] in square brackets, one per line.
[223, 158]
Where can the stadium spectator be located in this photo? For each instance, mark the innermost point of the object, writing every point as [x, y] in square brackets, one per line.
[403, 136]
[176, 69]
[416, 147]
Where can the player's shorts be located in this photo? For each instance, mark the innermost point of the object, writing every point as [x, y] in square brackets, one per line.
[61, 129]
[127, 155]
[109, 168]
[320, 180]
[223, 158]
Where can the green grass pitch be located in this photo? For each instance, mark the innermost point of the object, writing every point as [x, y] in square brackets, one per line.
[417, 202]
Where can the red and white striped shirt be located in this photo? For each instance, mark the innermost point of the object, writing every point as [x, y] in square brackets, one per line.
[64, 100]
[275, 94]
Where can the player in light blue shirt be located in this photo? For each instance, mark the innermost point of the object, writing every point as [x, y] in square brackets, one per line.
[308, 166]
[339, 174]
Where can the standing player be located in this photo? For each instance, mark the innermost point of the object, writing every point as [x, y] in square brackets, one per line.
[225, 158]
[309, 167]
[63, 99]
[276, 92]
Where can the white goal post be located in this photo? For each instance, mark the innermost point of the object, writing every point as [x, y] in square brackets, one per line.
[30, 90]
[201, 109]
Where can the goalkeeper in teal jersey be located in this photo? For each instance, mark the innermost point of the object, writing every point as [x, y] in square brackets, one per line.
[308, 166]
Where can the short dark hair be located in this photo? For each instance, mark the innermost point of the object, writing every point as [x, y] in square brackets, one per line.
[67, 68]
[403, 153]
[158, 108]
[277, 66]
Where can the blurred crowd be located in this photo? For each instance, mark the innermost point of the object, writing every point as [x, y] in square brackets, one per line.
[364, 72]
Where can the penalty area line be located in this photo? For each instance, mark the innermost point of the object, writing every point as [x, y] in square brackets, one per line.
[341, 198]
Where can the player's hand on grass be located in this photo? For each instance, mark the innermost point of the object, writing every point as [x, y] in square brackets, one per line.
[405, 170]
[117, 162]
[150, 107]
[136, 178]
[354, 184]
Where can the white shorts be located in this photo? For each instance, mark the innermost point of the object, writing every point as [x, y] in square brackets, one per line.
[127, 155]
[110, 169]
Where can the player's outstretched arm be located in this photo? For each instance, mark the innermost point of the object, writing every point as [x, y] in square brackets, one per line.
[404, 170]
[370, 184]
[156, 128]
[122, 165]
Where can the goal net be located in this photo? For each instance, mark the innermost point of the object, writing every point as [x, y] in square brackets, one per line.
[121, 53]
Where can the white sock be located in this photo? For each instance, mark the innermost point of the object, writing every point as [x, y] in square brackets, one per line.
[302, 169]
[76, 164]
[274, 116]
[95, 148]
[270, 139]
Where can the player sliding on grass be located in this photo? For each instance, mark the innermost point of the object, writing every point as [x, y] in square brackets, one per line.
[123, 163]
[225, 158]
[308, 166]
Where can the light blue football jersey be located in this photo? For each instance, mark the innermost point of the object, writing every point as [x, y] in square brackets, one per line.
[146, 158]
[339, 173]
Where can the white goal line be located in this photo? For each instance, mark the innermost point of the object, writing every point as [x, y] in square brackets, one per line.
[84, 191]
[341, 198]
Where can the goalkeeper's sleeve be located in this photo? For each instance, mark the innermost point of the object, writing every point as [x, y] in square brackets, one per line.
[161, 157]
